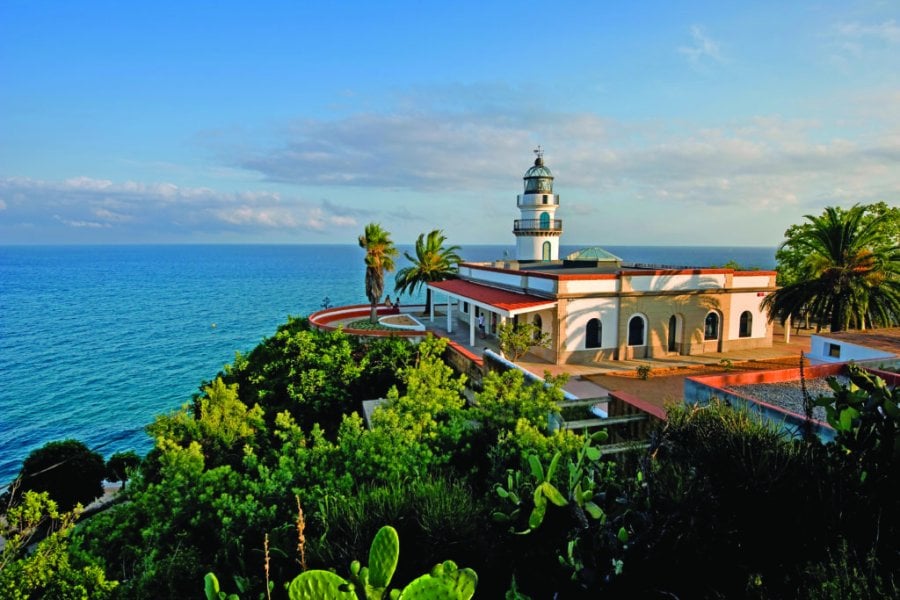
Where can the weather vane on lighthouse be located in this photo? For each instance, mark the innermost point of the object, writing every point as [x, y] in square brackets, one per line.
[539, 151]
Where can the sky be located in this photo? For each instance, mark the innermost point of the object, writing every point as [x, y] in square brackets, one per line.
[664, 123]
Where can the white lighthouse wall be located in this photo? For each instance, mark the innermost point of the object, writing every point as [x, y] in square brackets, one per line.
[530, 247]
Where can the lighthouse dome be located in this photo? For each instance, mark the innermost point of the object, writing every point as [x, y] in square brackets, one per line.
[538, 179]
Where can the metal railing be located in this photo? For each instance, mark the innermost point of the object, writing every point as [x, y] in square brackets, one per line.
[537, 225]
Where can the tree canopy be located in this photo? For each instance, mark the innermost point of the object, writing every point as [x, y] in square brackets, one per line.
[380, 254]
[842, 268]
[432, 262]
[67, 470]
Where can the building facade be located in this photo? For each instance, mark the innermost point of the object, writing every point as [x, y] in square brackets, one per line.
[593, 306]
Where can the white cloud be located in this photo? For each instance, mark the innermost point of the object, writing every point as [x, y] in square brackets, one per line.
[887, 31]
[80, 224]
[266, 217]
[136, 211]
[437, 168]
[703, 49]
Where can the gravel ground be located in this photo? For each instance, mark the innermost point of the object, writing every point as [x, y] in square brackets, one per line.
[788, 395]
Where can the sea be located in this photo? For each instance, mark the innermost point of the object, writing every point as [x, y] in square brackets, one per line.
[95, 341]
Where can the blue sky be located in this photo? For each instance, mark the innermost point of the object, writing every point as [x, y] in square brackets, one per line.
[687, 123]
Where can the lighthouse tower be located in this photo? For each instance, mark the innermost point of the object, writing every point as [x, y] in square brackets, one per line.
[537, 231]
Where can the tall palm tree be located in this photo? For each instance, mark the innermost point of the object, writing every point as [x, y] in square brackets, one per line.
[850, 272]
[432, 262]
[380, 253]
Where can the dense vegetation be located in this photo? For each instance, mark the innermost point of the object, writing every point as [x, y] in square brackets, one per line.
[270, 470]
[841, 269]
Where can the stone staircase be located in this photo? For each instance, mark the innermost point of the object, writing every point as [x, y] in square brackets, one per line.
[627, 432]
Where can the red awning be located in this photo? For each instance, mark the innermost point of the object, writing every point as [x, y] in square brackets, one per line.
[503, 300]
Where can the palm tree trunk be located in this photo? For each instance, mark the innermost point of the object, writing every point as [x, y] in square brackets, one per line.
[374, 316]
[427, 300]
[837, 317]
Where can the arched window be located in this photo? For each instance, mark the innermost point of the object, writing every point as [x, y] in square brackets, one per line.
[594, 334]
[545, 251]
[545, 220]
[636, 331]
[539, 324]
[711, 327]
[673, 332]
[746, 327]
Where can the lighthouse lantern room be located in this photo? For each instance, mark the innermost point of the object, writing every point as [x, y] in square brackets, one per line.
[537, 230]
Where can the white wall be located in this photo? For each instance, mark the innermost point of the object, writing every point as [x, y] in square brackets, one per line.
[747, 301]
[517, 281]
[750, 281]
[583, 310]
[819, 345]
[657, 283]
[494, 277]
[590, 286]
[531, 247]
[542, 284]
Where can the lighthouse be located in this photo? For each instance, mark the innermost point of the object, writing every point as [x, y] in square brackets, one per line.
[537, 230]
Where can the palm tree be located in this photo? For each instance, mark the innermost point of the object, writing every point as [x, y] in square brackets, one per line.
[849, 275]
[432, 262]
[380, 253]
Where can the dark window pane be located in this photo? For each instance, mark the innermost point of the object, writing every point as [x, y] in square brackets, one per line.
[594, 334]
[636, 331]
[746, 324]
[711, 330]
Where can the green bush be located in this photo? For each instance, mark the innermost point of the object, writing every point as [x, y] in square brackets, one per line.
[643, 372]
[843, 575]
[67, 470]
[727, 498]
[437, 518]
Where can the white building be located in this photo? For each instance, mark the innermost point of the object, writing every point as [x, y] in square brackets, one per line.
[593, 306]
[844, 346]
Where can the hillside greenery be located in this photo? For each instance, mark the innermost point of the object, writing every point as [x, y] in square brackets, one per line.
[271, 471]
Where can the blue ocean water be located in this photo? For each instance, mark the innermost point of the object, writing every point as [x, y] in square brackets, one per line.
[97, 340]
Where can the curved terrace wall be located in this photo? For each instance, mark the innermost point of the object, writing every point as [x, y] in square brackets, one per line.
[331, 318]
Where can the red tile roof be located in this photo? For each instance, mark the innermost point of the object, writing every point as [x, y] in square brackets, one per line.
[501, 299]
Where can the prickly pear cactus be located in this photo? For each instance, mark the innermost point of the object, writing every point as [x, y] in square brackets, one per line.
[383, 556]
[211, 588]
[320, 585]
[445, 582]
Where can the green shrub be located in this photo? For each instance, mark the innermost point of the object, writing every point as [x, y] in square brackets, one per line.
[842, 576]
[643, 372]
[67, 470]
[727, 498]
[437, 518]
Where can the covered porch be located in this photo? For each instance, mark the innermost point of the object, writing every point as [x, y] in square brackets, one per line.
[472, 299]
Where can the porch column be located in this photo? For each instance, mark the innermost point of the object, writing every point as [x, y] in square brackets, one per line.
[431, 308]
[787, 330]
[449, 322]
[471, 328]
